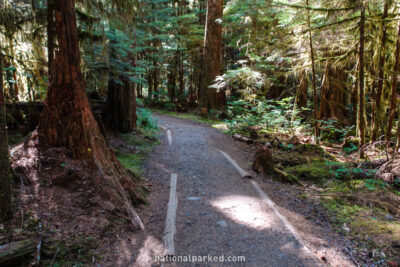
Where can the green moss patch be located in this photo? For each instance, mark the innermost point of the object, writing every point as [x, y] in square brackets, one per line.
[317, 172]
[137, 149]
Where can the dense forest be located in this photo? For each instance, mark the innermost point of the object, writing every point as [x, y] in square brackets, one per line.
[310, 86]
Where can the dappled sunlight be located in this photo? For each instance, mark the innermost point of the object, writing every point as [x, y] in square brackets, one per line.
[152, 247]
[221, 126]
[244, 210]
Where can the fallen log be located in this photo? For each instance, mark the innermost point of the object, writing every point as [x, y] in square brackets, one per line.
[242, 138]
[12, 254]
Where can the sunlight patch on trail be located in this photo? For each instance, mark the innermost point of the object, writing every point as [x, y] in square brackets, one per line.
[244, 210]
[152, 247]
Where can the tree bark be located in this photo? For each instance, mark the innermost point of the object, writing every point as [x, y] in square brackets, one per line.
[314, 77]
[211, 66]
[181, 75]
[155, 79]
[302, 90]
[50, 33]
[67, 120]
[361, 99]
[333, 94]
[393, 97]
[377, 118]
[121, 100]
[5, 178]
[150, 84]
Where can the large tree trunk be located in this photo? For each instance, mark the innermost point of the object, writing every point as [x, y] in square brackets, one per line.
[361, 97]
[302, 90]
[50, 33]
[67, 120]
[393, 97]
[377, 118]
[333, 94]
[121, 100]
[5, 178]
[314, 77]
[171, 84]
[121, 105]
[212, 57]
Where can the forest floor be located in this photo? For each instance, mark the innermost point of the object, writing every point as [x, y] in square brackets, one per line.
[219, 213]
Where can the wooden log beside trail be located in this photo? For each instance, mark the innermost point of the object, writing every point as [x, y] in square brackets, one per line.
[12, 254]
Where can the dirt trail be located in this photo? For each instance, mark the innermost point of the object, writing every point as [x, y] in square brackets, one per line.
[219, 213]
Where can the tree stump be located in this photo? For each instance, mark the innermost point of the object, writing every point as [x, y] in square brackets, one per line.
[263, 161]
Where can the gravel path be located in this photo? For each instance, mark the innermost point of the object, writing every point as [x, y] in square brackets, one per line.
[219, 213]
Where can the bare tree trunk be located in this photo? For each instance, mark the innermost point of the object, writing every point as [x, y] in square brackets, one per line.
[211, 55]
[155, 79]
[121, 100]
[67, 120]
[393, 98]
[171, 84]
[5, 178]
[360, 117]
[314, 77]
[377, 118]
[333, 94]
[181, 75]
[50, 33]
[150, 84]
[302, 90]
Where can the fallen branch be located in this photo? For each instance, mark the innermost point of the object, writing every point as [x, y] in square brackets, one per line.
[242, 138]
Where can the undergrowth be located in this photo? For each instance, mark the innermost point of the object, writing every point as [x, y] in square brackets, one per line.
[141, 142]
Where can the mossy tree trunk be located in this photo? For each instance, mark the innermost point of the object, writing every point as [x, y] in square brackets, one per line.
[361, 96]
[393, 97]
[377, 118]
[314, 76]
[333, 94]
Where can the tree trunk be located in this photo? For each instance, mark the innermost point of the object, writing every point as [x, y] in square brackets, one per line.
[5, 178]
[121, 100]
[377, 115]
[212, 57]
[171, 84]
[150, 84]
[67, 120]
[354, 99]
[314, 77]
[393, 97]
[50, 33]
[181, 75]
[333, 94]
[361, 97]
[155, 79]
[302, 90]
[121, 105]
